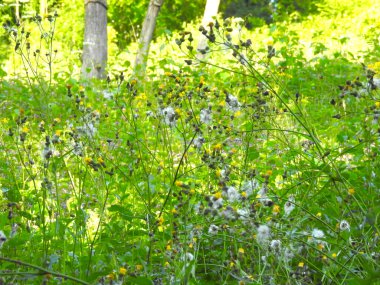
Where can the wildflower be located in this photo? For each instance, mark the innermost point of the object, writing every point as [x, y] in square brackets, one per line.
[243, 214]
[198, 142]
[334, 255]
[232, 194]
[268, 172]
[169, 116]
[218, 195]
[216, 203]
[288, 254]
[289, 205]
[301, 264]
[250, 186]
[87, 129]
[213, 229]
[228, 213]
[232, 102]
[275, 245]
[139, 267]
[276, 209]
[241, 250]
[344, 225]
[317, 234]
[263, 234]
[3, 238]
[351, 191]
[206, 116]
[111, 276]
[218, 146]
[122, 271]
[47, 152]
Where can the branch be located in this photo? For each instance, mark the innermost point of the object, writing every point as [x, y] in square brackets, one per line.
[43, 270]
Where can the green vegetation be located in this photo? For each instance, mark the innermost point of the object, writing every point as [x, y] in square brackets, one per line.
[258, 165]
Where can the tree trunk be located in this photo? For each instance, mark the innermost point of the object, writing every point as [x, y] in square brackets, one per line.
[211, 10]
[17, 11]
[43, 8]
[94, 58]
[147, 35]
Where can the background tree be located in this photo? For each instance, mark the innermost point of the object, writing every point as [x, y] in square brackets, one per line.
[147, 35]
[94, 58]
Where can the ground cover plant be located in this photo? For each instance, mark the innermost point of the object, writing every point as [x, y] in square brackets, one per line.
[256, 165]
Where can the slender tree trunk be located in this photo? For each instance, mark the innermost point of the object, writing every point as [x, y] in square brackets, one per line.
[17, 11]
[211, 10]
[94, 58]
[147, 35]
[43, 7]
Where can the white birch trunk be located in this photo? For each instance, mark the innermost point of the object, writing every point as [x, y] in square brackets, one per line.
[94, 58]
[147, 35]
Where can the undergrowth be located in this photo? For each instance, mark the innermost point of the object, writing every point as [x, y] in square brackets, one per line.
[258, 169]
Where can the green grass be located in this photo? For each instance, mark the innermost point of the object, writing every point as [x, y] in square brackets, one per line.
[243, 169]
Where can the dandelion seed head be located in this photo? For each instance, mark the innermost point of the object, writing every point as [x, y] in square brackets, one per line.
[344, 225]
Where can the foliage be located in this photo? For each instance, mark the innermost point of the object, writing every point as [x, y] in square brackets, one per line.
[257, 165]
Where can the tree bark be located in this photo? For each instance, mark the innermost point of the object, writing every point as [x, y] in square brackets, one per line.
[94, 58]
[147, 35]
[211, 10]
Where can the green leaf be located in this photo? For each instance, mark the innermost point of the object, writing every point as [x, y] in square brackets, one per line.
[252, 153]
[122, 211]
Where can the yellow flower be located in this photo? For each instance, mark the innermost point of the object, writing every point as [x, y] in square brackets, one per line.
[269, 172]
[334, 255]
[232, 264]
[81, 88]
[351, 191]
[167, 264]
[174, 211]
[377, 104]
[122, 271]
[58, 133]
[168, 73]
[321, 246]
[178, 183]
[88, 160]
[178, 111]
[192, 191]
[244, 194]
[218, 146]
[25, 130]
[276, 209]
[168, 247]
[191, 245]
[133, 81]
[4, 120]
[319, 214]
[161, 220]
[139, 267]
[111, 276]
[241, 250]
[301, 264]
[218, 195]
[237, 114]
